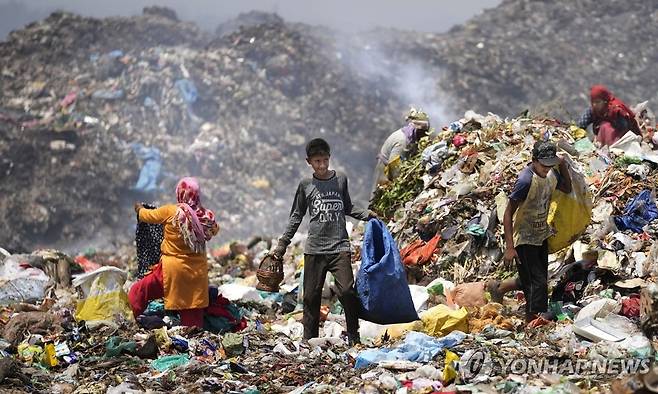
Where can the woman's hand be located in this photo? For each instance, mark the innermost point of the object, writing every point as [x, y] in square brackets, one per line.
[138, 206]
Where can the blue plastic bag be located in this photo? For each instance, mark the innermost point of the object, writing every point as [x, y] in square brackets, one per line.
[188, 90]
[148, 176]
[639, 212]
[382, 282]
[417, 347]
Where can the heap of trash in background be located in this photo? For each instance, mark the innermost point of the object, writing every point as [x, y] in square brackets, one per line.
[93, 110]
[102, 120]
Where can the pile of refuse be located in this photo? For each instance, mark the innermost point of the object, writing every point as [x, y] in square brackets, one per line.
[538, 55]
[157, 98]
[446, 207]
[58, 335]
[107, 111]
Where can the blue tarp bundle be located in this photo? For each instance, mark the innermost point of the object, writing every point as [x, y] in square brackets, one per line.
[639, 212]
[382, 282]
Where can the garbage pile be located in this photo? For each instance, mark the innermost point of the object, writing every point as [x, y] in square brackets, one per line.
[538, 55]
[107, 111]
[445, 210]
[58, 335]
[157, 98]
[446, 207]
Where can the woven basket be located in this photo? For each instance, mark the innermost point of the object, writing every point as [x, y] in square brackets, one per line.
[269, 274]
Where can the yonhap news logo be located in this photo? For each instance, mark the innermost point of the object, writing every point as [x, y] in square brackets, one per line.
[478, 364]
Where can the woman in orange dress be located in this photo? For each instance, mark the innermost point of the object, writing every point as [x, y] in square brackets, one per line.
[181, 276]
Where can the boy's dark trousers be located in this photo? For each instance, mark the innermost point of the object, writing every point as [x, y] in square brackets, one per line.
[533, 273]
[316, 267]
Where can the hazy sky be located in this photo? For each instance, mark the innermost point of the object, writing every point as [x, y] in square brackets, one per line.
[422, 15]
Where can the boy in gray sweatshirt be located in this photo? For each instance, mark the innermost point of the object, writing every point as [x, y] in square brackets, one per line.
[326, 198]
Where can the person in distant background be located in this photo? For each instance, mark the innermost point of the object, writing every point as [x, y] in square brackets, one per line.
[398, 145]
[609, 116]
[181, 277]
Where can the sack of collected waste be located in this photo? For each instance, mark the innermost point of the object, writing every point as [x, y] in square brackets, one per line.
[381, 282]
[103, 295]
[569, 214]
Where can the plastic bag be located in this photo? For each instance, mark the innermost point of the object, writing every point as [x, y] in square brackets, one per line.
[417, 347]
[19, 282]
[469, 294]
[420, 252]
[380, 275]
[442, 320]
[569, 214]
[104, 297]
[397, 331]
[169, 362]
[639, 212]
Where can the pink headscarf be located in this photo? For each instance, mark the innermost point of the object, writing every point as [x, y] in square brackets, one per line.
[194, 221]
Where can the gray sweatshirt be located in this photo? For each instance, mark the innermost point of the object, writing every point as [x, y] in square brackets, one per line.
[327, 202]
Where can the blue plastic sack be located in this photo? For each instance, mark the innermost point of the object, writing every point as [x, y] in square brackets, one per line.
[148, 176]
[417, 347]
[188, 90]
[382, 282]
[639, 212]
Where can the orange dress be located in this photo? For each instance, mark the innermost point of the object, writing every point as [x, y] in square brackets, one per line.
[184, 273]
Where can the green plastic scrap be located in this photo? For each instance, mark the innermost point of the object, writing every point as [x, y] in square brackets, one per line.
[169, 362]
[155, 306]
[117, 345]
[625, 161]
[608, 293]
[437, 289]
[337, 308]
[476, 229]
[584, 145]
[233, 344]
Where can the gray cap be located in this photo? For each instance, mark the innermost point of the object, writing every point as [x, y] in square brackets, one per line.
[546, 153]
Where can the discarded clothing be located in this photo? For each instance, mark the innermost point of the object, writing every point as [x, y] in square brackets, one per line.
[420, 252]
[630, 307]
[148, 238]
[221, 316]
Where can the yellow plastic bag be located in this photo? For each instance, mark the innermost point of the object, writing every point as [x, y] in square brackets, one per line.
[49, 358]
[397, 331]
[569, 214]
[392, 168]
[577, 133]
[449, 371]
[441, 320]
[103, 295]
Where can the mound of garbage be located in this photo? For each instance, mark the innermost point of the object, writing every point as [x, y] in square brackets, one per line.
[538, 55]
[87, 102]
[449, 200]
[160, 99]
[444, 212]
